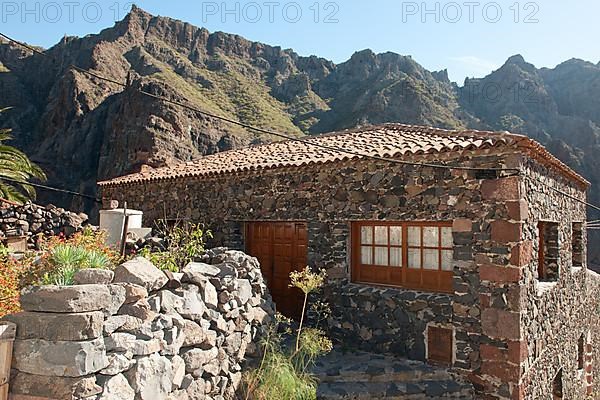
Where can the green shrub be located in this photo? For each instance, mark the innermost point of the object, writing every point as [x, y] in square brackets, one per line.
[284, 373]
[184, 242]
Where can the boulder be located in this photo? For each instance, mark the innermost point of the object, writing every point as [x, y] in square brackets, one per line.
[92, 276]
[66, 299]
[178, 368]
[244, 292]
[209, 294]
[117, 363]
[124, 322]
[198, 273]
[53, 387]
[170, 303]
[141, 272]
[57, 327]
[146, 347]
[133, 292]
[69, 359]
[194, 335]
[117, 295]
[193, 307]
[116, 388]
[140, 309]
[151, 377]
[119, 341]
[196, 358]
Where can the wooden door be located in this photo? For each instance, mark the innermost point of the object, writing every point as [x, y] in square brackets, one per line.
[281, 247]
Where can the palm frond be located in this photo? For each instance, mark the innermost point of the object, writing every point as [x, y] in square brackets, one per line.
[16, 170]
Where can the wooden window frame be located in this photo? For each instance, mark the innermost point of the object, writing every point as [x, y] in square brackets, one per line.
[439, 281]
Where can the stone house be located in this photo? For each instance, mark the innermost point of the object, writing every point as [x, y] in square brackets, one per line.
[480, 268]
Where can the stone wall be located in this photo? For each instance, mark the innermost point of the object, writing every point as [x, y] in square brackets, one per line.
[557, 313]
[31, 219]
[492, 251]
[141, 334]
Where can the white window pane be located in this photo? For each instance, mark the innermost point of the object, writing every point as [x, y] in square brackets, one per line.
[366, 255]
[414, 236]
[381, 235]
[414, 258]
[396, 235]
[447, 258]
[381, 256]
[395, 256]
[366, 234]
[447, 240]
[431, 236]
[430, 259]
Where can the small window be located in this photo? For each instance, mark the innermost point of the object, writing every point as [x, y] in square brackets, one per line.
[440, 345]
[413, 255]
[548, 251]
[557, 386]
[581, 352]
[577, 249]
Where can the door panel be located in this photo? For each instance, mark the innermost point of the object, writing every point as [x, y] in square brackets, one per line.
[281, 247]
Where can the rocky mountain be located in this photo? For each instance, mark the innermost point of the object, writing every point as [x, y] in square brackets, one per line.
[82, 129]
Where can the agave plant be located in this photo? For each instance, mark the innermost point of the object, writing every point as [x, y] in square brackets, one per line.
[15, 171]
[96, 259]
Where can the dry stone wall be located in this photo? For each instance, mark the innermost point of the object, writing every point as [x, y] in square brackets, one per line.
[31, 219]
[141, 334]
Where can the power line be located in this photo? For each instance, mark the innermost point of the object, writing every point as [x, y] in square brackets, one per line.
[514, 171]
[40, 186]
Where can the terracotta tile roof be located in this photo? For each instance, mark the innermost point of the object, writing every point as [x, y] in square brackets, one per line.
[388, 140]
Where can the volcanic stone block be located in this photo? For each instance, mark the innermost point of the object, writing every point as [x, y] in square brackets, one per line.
[68, 359]
[53, 387]
[93, 276]
[141, 272]
[151, 377]
[66, 299]
[57, 327]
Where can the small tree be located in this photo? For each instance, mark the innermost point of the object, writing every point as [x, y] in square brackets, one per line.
[15, 171]
[284, 371]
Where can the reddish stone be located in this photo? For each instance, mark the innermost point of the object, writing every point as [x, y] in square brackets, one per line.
[493, 353]
[481, 258]
[517, 210]
[517, 351]
[462, 225]
[522, 253]
[506, 232]
[484, 300]
[500, 324]
[494, 273]
[502, 370]
[502, 189]
[516, 297]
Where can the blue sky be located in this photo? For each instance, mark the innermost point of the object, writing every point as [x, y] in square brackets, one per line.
[470, 38]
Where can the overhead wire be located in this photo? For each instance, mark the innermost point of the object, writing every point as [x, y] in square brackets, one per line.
[513, 171]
